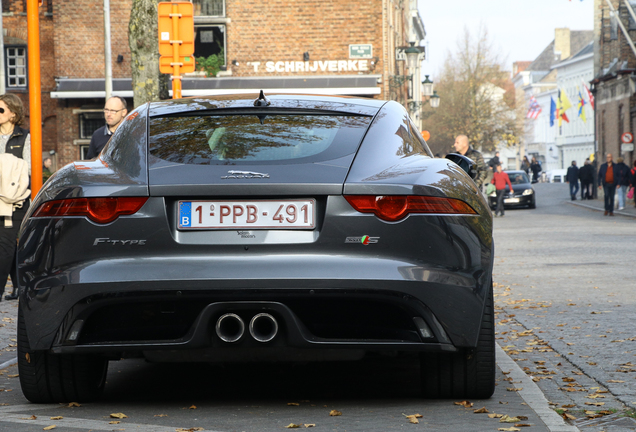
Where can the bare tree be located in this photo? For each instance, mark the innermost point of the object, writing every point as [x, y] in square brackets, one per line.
[477, 98]
[148, 84]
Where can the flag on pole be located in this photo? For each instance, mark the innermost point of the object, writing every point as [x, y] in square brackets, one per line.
[553, 111]
[563, 103]
[590, 96]
[581, 107]
[534, 110]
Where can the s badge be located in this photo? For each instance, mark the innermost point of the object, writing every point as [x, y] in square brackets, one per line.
[365, 240]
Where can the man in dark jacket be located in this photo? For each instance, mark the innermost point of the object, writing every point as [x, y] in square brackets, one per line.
[622, 181]
[463, 147]
[572, 177]
[586, 175]
[607, 179]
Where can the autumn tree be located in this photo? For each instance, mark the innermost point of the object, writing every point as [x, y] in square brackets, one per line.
[148, 84]
[477, 98]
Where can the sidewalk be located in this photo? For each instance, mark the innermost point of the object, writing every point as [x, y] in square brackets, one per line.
[599, 205]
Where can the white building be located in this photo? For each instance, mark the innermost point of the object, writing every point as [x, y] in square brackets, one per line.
[575, 140]
[559, 66]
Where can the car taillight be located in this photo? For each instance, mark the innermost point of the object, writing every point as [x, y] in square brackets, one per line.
[99, 210]
[395, 207]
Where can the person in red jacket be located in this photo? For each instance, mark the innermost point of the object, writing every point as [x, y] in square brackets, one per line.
[499, 179]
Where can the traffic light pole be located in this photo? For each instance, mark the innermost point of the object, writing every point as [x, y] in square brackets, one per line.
[176, 74]
[35, 95]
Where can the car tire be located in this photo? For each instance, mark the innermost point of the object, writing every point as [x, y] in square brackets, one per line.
[533, 204]
[55, 378]
[469, 373]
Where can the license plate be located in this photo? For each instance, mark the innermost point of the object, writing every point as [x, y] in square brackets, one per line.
[511, 200]
[256, 214]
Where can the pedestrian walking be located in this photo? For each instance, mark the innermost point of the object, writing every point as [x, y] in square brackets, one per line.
[462, 146]
[15, 168]
[586, 175]
[622, 181]
[632, 182]
[607, 179]
[572, 177]
[535, 167]
[499, 179]
[115, 111]
[525, 165]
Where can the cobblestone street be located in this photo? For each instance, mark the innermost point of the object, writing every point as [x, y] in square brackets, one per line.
[565, 298]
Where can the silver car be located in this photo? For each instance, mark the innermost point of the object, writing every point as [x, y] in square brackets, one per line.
[286, 228]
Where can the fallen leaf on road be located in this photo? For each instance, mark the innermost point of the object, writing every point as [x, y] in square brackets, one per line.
[569, 416]
[568, 406]
[510, 429]
[493, 415]
[13, 376]
[514, 388]
[594, 396]
[595, 403]
[193, 407]
[481, 411]
[114, 422]
[161, 415]
[53, 418]
[192, 429]
[118, 415]
[292, 426]
[568, 379]
[293, 404]
[522, 425]
[49, 427]
[334, 413]
[615, 381]
[308, 425]
[30, 418]
[73, 404]
[508, 419]
[465, 404]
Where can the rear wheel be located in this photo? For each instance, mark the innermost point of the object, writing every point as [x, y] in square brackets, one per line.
[48, 378]
[466, 374]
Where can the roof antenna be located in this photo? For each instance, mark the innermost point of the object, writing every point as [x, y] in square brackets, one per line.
[262, 100]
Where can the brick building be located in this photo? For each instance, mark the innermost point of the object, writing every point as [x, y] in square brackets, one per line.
[614, 83]
[292, 46]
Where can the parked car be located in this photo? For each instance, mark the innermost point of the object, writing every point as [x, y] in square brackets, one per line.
[522, 194]
[277, 229]
[557, 175]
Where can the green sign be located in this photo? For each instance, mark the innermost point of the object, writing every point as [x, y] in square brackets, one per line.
[361, 51]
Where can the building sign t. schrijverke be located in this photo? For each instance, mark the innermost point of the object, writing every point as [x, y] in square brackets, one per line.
[311, 66]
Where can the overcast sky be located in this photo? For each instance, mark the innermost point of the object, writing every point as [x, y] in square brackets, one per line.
[520, 29]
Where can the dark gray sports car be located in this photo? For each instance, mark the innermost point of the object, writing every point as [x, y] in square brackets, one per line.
[522, 194]
[286, 228]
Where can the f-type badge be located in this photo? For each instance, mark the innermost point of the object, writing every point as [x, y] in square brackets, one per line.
[244, 175]
[365, 240]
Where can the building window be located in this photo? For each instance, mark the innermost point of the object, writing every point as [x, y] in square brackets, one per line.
[209, 40]
[16, 67]
[209, 7]
[89, 123]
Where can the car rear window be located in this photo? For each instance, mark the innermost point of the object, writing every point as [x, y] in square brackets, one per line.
[255, 138]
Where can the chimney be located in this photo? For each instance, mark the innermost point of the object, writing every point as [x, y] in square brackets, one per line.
[561, 43]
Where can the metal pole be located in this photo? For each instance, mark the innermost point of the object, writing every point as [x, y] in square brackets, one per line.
[35, 95]
[620, 23]
[3, 88]
[108, 68]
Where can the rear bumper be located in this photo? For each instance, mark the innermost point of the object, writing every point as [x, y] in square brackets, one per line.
[124, 319]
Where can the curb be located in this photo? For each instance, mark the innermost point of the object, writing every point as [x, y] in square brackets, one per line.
[616, 212]
[532, 395]
[8, 363]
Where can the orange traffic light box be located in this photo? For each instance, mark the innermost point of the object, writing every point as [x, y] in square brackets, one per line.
[176, 36]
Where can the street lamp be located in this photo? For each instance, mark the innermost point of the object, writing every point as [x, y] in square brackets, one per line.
[434, 99]
[427, 87]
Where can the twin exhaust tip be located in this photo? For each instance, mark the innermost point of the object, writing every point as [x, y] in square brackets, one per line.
[230, 327]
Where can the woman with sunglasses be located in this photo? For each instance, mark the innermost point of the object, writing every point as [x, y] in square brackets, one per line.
[16, 141]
